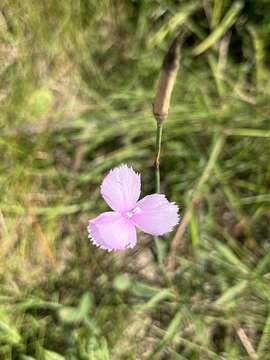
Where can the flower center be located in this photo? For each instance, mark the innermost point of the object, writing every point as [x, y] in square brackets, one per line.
[133, 212]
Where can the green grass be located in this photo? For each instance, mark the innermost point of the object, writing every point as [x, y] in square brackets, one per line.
[77, 83]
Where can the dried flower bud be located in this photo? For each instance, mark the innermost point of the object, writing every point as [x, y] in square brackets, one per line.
[166, 81]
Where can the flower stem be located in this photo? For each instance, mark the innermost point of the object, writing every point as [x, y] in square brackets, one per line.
[161, 107]
[158, 150]
[157, 240]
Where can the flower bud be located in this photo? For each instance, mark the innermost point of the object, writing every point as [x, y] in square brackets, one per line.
[166, 82]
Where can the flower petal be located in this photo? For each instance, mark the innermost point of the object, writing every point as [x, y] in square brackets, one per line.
[121, 188]
[155, 215]
[111, 231]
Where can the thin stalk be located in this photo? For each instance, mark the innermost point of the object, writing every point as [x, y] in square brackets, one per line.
[157, 240]
[158, 151]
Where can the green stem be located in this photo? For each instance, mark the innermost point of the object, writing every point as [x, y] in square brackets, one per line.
[158, 243]
[158, 150]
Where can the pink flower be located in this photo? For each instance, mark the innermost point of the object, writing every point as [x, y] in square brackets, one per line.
[116, 230]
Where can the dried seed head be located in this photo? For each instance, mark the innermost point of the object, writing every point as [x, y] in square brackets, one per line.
[166, 82]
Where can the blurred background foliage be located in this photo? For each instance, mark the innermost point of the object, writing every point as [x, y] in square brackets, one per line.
[77, 82]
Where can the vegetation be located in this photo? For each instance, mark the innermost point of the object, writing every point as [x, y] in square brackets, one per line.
[77, 84]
